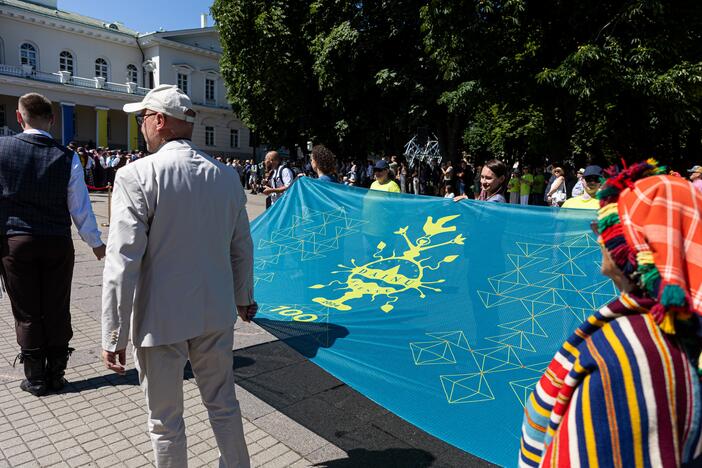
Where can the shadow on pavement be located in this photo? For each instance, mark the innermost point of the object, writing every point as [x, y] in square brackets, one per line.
[131, 377]
[305, 337]
[404, 458]
[110, 380]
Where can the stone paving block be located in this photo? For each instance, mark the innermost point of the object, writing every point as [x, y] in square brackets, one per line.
[283, 461]
[296, 436]
[80, 460]
[21, 459]
[44, 451]
[109, 461]
[137, 461]
[130, 452]
[252, 407]
[199, 448]
[39, 442]
[209, 456]
[10, 442]
[267, 441]
[327, 453]
[72, 452]
[254, 448]
[53, 459]
[268, 454]
[11, 452]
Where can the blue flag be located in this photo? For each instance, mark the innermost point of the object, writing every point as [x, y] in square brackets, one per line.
[444, 313]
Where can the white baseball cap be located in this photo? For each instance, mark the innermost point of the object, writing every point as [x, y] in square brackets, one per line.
[166, 99]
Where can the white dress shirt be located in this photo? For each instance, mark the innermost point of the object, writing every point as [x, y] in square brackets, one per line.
[78, 200]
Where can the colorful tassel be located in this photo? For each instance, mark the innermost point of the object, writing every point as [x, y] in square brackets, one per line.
[668, 323]
[657, 312]
[673, 296]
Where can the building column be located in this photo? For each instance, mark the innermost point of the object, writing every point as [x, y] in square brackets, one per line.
[132, 133]
[68, 131]
[101, 126]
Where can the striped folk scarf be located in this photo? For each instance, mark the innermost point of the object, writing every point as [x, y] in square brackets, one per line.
[619, 392]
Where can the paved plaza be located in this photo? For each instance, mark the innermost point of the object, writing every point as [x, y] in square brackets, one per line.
[100, 419]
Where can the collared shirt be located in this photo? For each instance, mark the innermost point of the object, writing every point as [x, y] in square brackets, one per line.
[78, 200]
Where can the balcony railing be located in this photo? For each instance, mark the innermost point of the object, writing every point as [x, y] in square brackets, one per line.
[65, 78]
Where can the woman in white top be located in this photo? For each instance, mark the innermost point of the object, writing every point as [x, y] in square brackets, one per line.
[557, 192]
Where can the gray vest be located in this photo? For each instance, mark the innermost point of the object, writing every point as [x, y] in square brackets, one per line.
[34, 175]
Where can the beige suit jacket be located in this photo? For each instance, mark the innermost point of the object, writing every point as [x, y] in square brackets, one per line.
[179, 252]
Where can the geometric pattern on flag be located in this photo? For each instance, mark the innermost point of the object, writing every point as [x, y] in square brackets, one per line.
[310, 236]
[544, 279]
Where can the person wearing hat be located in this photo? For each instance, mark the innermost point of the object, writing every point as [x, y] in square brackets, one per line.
[579, 187]
[624, 389]
[179, 265]
[383, 182]
[696, 177]
[592, 177]
[42, 191]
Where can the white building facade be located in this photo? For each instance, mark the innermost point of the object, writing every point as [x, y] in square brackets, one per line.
[89, 69]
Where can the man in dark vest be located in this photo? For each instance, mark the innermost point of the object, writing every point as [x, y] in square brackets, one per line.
[42, 189]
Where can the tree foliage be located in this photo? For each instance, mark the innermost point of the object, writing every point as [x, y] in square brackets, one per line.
[522, 80]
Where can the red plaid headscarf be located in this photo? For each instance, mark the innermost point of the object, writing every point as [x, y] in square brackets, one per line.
[652, 227]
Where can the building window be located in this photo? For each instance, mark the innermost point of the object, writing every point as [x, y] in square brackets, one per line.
[28, 55]
[132, 74]
[209, 90]
[209, 136]
[151, 80]
[2, 51]
[101, 68]
[109, 128]
[3, 121]
[183, 82]
[233, 138]
[66, 61]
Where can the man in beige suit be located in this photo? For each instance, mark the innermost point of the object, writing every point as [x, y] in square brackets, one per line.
[179, 263]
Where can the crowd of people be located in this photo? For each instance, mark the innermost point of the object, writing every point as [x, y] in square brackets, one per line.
[492, 181]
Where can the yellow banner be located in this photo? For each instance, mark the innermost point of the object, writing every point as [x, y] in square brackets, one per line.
[101, 134]
[133, 132]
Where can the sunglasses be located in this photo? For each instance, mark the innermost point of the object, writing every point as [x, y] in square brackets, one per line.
[140, 118]
[589, 179]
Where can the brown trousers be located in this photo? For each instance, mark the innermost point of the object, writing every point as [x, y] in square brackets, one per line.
[37, 272]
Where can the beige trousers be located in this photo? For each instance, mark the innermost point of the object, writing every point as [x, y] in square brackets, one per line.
[161, 376]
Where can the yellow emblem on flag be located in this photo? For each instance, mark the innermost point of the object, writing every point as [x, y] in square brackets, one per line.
[394, 274]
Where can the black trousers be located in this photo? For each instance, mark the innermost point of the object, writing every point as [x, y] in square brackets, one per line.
[37, 272]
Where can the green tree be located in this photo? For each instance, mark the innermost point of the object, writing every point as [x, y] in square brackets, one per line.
[268, 69]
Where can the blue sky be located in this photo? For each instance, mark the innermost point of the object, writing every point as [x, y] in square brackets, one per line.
[143, 15]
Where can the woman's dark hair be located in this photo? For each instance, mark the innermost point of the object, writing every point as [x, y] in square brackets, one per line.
[325, 159]
[500, 170]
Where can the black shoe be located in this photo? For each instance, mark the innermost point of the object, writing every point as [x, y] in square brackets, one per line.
[56, 363]
[34, 361]
[36, 389]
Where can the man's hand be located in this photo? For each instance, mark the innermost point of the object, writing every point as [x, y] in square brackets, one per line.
[99, 252]
[267, 191]
[115, 360]
[247, 312]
